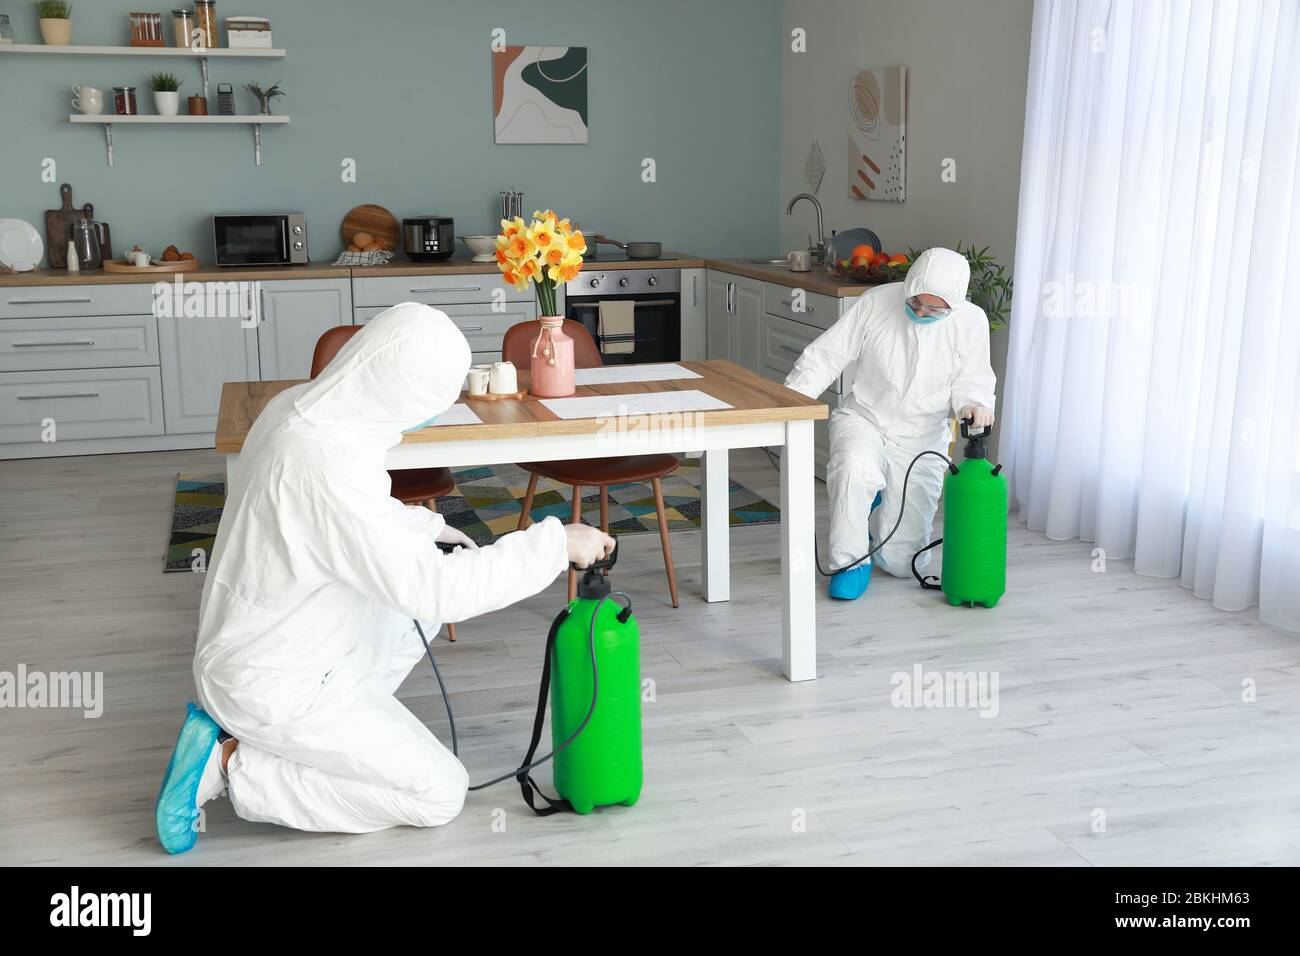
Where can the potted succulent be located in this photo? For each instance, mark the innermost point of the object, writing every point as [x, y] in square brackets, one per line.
[166, 93]
[56, 21]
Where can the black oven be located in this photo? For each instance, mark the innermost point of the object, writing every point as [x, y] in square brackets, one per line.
[269, 239]
[653, 330]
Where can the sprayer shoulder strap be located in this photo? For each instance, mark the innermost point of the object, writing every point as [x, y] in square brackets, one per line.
[527, 784]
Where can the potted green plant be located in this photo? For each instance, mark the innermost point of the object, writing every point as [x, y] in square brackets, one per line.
[265, 97]
[56, 21]
[166, 93]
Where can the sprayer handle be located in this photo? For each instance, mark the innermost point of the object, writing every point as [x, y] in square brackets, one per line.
[965, 429]
[602, 565]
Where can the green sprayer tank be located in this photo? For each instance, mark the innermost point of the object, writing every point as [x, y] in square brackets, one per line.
[974, 527]
[603, 765]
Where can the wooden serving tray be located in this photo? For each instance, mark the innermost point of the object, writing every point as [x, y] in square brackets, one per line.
[158, 268]
[518, 396]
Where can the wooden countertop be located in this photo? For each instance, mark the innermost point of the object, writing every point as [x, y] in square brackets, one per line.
[752, 397]
[817, 280]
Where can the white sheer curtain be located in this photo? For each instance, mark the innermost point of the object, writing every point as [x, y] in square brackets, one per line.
[1152, 403]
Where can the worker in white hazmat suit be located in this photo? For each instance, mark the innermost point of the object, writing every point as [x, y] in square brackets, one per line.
[305, 626]
[916, 353]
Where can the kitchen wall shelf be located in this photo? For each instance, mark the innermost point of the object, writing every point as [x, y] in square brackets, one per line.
[109, 120]
[192, 53]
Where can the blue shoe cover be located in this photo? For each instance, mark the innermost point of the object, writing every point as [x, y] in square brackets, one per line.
[851, 584]
[176, 810]
[880, 496]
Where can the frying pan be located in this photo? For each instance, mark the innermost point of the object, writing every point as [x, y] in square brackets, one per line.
[635, 250]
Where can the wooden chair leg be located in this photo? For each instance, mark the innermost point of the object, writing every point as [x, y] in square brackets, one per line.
[663, 539]
[604, 508]
[576, 518]
[451, 633]
[525, 516]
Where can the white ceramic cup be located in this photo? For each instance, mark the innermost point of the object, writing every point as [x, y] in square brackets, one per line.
[504, 378]
[479, 377]
[799, 261]
[140, 259]
[88, 100]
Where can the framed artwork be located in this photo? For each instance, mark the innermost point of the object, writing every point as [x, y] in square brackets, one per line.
[877, 134]
[539, 94]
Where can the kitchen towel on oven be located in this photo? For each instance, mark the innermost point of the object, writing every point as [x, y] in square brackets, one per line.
[617, 319]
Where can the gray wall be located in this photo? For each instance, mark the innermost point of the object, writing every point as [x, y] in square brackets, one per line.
[404, 87]
[967, 66]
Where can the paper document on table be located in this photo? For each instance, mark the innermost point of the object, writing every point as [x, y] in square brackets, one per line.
[458, 414]
[642, 403]
[618, 374]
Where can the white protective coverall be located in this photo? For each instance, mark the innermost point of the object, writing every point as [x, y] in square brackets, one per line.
[910, 380]
[305, 627]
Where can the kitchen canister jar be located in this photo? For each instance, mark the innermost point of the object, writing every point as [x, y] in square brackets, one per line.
[552, 360]
[124, 100]
[205, 20]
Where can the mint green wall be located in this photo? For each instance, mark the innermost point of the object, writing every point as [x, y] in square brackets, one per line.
[404, 87]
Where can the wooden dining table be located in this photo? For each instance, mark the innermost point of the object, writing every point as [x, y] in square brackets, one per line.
[760, 414]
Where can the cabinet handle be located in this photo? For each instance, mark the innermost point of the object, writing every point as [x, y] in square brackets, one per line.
[449, 288]
[731, 298]
[47, 345]
[791, 349]
[470, 328]
[32, 398]
[790, 303]
[84, 301]
[695, 290]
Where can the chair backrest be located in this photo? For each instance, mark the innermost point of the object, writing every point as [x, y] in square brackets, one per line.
[328, 345]
[518, 344]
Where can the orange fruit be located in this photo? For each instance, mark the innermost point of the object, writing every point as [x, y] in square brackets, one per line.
[861, 251]
[898, 259]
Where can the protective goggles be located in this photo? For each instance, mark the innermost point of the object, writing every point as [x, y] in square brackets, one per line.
[939, 311]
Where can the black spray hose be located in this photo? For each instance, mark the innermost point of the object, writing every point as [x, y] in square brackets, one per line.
[902, 504]
[550, 640]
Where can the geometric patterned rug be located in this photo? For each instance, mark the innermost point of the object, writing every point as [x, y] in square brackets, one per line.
[487, 503]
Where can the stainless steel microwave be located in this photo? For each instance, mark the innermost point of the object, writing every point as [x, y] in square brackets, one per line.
[267, 239]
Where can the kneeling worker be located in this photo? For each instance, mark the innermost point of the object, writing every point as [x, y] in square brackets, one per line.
[922, 355]
[305, 626]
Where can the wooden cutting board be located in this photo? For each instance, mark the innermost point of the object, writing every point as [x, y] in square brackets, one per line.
[377, 221]
[58, 228]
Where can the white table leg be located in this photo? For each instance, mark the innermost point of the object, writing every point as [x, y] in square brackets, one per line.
[798, 581]
[232, 462]
[715, 522]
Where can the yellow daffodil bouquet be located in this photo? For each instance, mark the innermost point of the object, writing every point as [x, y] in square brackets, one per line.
[547, 252]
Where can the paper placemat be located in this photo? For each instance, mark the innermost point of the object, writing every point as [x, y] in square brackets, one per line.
[643, 403]
[617, 374]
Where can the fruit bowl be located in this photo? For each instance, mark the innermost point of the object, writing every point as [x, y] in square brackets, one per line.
[892, 270]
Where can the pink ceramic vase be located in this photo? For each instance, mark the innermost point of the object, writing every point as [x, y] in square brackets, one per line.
[552, 359]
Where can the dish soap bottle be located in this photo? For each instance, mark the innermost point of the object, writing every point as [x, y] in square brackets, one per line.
[74, 263]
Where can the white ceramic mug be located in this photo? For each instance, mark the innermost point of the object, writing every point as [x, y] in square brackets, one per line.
[479, 377]
[504, 378]
[139, 259]
[88, 99]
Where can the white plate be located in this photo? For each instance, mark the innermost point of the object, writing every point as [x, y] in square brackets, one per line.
[20, 245]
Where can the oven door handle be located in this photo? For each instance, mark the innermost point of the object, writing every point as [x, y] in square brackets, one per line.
[639, 303]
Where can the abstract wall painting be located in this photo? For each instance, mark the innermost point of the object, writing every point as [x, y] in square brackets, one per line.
[539, 94]
[877, 134]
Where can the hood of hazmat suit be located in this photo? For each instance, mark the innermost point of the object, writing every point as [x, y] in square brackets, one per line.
[305, 626]
[902, 383]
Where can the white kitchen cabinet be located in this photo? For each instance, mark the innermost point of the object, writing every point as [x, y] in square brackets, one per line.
[735, 314]
[198, 355]
[694, 336]
[295, 314]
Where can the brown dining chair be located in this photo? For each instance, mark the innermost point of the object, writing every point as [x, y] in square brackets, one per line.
[597, 473]
[411, 486]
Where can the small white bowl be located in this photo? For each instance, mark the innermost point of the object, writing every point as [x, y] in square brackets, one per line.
[483, 248]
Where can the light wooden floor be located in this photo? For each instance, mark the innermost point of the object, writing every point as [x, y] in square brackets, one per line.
[1119, 695]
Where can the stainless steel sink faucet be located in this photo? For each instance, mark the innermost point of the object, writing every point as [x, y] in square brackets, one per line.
[817, 249]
